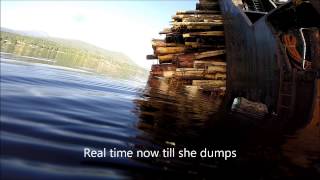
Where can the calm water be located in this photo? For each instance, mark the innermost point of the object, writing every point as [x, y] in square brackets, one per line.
[50, 113]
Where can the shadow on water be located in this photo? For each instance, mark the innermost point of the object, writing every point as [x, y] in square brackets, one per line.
[196, 121]
[49, 114]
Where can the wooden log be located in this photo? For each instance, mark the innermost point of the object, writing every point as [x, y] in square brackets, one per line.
[168, 74]
[249, 108]
[198, 12]
[211, 83]
[165, 31]
[170, 50]
[162, 43]
[212, 63]
[215, 69]
[206, 33]
[198, 17]
[189, 73]
[163, 67]
[151, 57]
[214, 23]
[202, 45]
[168, 58]
[209, 54]
[222, 76]
[184, 60]
[216, 76]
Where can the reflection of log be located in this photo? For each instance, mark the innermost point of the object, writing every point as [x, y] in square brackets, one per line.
[207, 33]
[170, 50]
[209, 54]
[250, 108]
[211, 83]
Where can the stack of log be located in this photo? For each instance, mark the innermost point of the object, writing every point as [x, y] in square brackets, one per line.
[193, 49]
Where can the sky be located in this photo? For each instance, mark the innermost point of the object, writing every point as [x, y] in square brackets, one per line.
[117, 25]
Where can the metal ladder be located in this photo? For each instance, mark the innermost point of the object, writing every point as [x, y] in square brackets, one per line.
[255, 5]
[287, 92]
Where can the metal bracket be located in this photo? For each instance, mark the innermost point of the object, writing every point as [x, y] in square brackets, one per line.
[306, 65]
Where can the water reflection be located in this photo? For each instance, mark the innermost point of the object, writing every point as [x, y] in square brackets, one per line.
[49, 114]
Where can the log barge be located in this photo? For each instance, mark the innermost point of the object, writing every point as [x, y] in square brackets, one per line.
[266, 51]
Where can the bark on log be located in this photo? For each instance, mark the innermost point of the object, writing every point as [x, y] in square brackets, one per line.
[250, 108]
[201, 17]
[211, 83]
[162, 43]
[214, 23]
[206, 33]
[215, 69]
[184, 61]
[209, 54]
[198, 12]
[170, 50]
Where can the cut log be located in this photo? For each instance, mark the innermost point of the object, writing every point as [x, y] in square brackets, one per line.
[215, 69]
[212, 63]
[209, 54]
[168, 74]
[211, 83]
[216, 76]
[170, 50]
[207, 33]
[249, 108]
[162, 43]
[198, 12]
[184, 60]
[214, 23]
[166, 58]
[151, 57]
[222, 76]
[203, 45]
[165, 31]
[163, 67]
[198, 17]
[189, 73]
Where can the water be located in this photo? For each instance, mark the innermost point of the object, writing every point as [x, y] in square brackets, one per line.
[50, 113]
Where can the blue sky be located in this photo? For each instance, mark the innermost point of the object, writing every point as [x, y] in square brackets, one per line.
[124, 26]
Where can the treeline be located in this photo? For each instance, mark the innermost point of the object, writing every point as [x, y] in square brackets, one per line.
[70, 53]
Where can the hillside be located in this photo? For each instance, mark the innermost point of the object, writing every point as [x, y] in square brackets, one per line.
[70, 53]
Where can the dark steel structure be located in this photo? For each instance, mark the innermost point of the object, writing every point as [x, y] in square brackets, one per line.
[262, 66]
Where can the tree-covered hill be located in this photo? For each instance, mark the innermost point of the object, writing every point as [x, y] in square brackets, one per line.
[70, 53]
